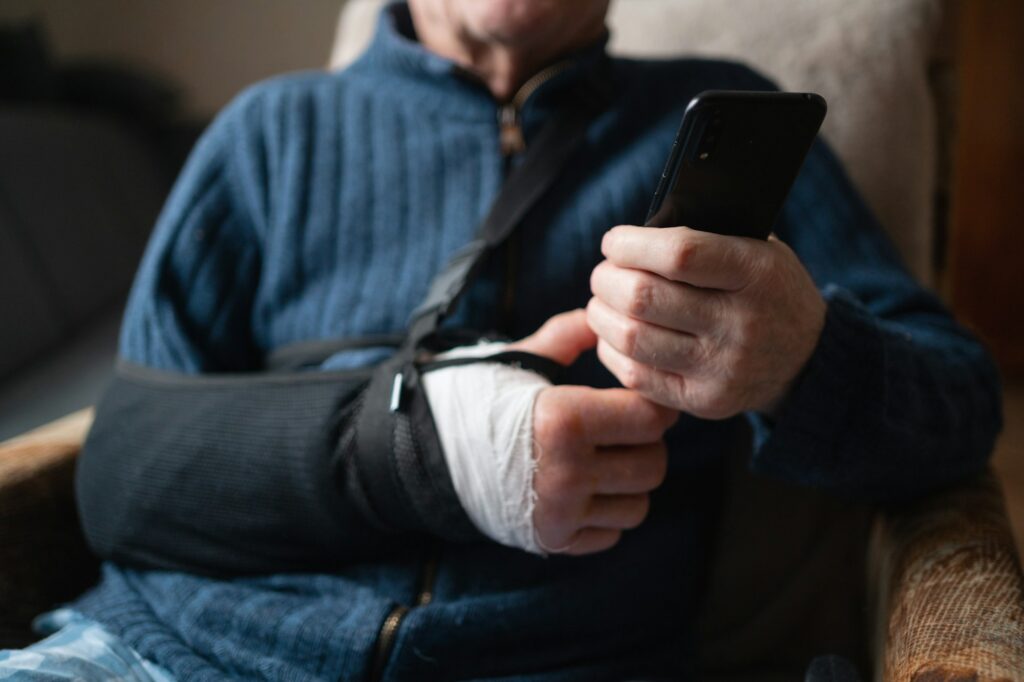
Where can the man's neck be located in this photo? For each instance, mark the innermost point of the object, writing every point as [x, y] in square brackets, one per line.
[503, 67]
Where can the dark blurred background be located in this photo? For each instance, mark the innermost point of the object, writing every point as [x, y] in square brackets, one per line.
[207, 48]
[100, 103]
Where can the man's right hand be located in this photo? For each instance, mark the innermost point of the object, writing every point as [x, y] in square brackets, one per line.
[599, 452]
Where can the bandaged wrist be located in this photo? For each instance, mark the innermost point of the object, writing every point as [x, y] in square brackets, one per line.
[483, 414]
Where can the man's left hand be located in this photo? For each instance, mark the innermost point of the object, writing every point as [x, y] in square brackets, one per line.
[708, 324]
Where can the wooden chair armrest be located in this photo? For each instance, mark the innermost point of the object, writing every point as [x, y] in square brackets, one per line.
[947, 588]
[43, 556]
[29, 454]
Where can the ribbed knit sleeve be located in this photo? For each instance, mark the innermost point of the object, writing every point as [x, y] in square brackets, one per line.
[897, 398]
[190, 305]
[200, 461]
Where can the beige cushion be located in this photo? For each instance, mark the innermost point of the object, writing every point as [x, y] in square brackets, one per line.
[869, 58]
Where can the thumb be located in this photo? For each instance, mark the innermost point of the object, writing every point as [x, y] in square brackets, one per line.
[562, 338]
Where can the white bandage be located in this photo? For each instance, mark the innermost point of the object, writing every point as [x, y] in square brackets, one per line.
[483, 413]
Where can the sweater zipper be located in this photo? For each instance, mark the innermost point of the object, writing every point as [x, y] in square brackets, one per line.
[389, 628]
[510, 113]
[512, 142]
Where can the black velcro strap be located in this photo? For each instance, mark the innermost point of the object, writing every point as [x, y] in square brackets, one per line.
[546, 367]
[305, 354]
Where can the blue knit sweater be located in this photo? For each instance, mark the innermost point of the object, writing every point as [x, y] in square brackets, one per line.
[320, 205]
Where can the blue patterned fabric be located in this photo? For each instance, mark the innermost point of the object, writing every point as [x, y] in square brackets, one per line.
[320, 205]
[79, 650]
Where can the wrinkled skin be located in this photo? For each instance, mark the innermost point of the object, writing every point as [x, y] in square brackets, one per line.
[706, 324]
[599, 452]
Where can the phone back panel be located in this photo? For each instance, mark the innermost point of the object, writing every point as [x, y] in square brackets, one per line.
[734, 159]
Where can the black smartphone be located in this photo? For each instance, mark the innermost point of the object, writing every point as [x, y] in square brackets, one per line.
[734, 159]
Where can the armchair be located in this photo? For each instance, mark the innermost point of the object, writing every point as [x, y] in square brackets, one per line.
[43, 556]
[929, 591]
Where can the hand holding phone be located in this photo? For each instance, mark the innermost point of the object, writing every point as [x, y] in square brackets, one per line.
[690, 316]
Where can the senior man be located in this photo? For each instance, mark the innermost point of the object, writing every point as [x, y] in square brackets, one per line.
[562, 533]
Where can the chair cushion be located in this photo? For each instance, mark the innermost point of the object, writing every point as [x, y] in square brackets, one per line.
[868, 58]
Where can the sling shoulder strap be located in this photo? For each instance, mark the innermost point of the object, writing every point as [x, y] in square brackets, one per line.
[543, 163]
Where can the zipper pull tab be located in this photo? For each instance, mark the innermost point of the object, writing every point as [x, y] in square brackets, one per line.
[512, 141]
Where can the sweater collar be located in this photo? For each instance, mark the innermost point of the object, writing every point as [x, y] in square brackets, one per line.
[396, 52]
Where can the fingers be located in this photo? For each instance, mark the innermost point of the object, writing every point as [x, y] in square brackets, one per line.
[617, 416]
[562, 338]
[617, 511]
[650, 344]
[649, 297]
[630, 470]
[611, 515]
[590, 540]
[659, 386]
[681, 254]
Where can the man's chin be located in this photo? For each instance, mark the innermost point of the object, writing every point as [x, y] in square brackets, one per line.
[517, 22]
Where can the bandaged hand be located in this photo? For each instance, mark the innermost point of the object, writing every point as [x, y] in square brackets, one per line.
[547, 469]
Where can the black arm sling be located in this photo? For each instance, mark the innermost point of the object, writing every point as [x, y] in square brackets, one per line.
[325, 464]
